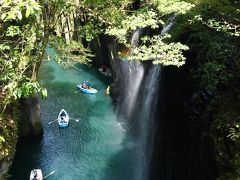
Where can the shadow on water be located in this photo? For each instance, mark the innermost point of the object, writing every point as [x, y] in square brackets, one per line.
[29, 149]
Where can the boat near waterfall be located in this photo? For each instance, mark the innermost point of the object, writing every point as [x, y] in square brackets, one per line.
[86, 88]
[63, 119]
[105, 71]
[36, 174]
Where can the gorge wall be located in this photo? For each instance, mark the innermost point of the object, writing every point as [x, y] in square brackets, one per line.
[181, 150]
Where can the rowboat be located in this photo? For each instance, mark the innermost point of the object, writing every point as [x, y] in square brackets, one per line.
[86, 89]
[105, 71]
[63, 118]
[36, 174]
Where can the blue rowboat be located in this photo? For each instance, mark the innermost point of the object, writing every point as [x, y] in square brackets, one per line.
[88, 90]
[63, 119]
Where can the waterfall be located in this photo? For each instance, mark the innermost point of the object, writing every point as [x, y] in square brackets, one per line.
[168, 26]
[139, 85]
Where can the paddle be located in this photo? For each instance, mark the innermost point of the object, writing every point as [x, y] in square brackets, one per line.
[77, 119]
[52, 121]
[48, 174]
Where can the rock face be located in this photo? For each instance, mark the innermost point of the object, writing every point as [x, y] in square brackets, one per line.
[29, 123]
[30, 120]
[101, 48]
[182, 150]
[5, 164]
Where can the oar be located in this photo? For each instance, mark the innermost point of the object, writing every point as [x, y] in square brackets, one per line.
[76, 91]
[77, 120]
[52, 121]
[48, 174]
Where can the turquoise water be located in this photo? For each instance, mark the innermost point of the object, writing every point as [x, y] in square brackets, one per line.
[95, 148]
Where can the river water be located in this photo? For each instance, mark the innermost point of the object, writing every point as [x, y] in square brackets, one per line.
[95, 148]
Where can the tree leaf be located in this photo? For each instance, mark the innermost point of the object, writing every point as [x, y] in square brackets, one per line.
[19, 15]
[44, 92]
[28, 11]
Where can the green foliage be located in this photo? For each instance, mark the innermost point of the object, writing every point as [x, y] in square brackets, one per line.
[14, 10]
[138, 20]
[155, 48]
[226, 27]
[225, 131]
[44, 92]
[13, 31]
[160, 52]
[213, 38]
[8, 134]
[216, 49]
[23, 39]
[166, 7]
[210, 74]
[16, 49]
[2, 139]
[68, 53]
[234, 133]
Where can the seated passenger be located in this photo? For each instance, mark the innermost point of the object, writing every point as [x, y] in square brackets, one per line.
[84, 85]
[87, 84]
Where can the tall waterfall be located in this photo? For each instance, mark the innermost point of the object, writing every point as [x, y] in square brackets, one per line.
[140, 84]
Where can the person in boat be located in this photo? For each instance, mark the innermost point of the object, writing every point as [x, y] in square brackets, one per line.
[104, 68]
[35, 175]
[63, 119]
[86, 85]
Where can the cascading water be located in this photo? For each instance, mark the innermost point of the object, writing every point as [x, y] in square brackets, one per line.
[138, 99]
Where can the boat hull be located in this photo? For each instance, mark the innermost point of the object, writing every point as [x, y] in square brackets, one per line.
[106, 72]
[88, 91]
[63, 121]
[63, 125]
[39, 174]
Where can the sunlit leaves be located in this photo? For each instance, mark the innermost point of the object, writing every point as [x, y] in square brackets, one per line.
[160, 52]
[13, 10]
[12, 31]
[19, 40]
[224, 26]
[2, 139]
[141, 20]
[4, 47]
[138, 20]
[44, 92]
[172, 6]
[26, 89]
[67, 53]
[151, 16]
[234, 133]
